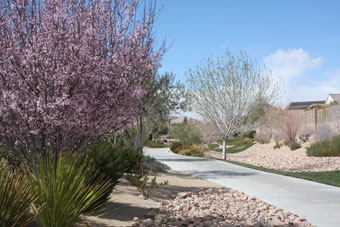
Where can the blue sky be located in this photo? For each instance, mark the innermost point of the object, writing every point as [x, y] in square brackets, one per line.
[299, 40]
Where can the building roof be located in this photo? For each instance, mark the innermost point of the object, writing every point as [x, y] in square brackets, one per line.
[183, 119]
[302, 105]
[335, 97]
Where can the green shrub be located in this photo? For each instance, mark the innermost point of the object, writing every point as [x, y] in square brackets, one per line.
[16, 197]
[113, 161]
[329, 148]
[251, 134]
[195, 151]
[67, 187]
[277, 145]
[175, 145]
[178, 149]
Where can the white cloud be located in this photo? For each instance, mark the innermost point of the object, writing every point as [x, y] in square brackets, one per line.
[291, 66]
[291, 63]
[317, 90]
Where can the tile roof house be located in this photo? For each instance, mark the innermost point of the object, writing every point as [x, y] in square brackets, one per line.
[302, 105]
[332, 98]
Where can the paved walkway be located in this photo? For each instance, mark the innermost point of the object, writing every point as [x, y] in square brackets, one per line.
[318, 203]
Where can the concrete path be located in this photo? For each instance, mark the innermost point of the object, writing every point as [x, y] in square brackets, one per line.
[318, 203]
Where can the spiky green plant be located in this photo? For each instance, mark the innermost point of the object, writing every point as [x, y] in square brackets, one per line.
[67, 188]
[16, 198]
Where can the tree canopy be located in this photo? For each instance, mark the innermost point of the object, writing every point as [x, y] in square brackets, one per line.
[72, 70]
[229, 90]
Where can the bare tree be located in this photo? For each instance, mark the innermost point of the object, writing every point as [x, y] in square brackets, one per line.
[228, 90]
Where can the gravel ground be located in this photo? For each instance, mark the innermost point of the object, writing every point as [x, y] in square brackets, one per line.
[282, 159]
[218, 207]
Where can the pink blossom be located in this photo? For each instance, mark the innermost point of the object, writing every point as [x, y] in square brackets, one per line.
[69, 76]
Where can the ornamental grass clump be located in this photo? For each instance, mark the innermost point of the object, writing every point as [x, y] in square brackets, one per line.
[16, 197]
[329, 148]
[67, 188]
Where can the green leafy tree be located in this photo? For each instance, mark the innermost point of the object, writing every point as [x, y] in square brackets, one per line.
[186, 133]
[165, 97]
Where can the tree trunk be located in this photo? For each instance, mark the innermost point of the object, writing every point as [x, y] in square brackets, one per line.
[141, 142]
[224, 153]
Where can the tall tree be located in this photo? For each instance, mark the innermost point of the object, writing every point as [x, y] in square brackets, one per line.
[72, 70]
[228, 90]
[165, 97]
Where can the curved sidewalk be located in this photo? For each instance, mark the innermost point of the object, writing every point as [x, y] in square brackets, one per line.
[318, 203]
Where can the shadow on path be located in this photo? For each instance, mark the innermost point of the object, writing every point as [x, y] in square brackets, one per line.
[216, 174]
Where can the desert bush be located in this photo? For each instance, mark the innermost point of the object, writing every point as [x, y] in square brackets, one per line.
[178, 149]
[194, 150]
[251, 134]
[140, 178]
[324, 133]
[289, 123]
[16, 197]
[304, 138]
[328, 148]
[305, 134]
[67, 187]
[293, 145]
[175, 145]
[151, 164]
[277, 145]
[262, 138]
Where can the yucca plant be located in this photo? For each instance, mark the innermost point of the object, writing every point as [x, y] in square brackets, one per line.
[16, 197]
[67, 187]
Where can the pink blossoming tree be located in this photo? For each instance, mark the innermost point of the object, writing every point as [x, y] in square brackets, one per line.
[71, 70]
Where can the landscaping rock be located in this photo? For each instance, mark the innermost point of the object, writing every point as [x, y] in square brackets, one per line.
[264, 155]
[219, 207]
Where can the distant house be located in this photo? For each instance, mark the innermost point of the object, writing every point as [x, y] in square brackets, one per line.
[332, 98]
[183, 120]
[300, 106]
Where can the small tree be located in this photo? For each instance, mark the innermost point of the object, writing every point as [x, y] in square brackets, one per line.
[228, 90]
